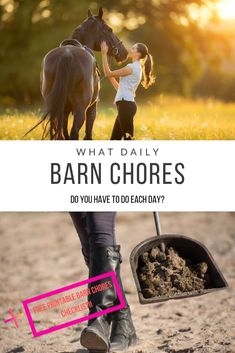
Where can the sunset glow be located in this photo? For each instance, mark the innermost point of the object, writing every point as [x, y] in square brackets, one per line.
[226, 9]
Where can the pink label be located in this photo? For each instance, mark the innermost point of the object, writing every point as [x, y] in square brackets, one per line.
[68, 305]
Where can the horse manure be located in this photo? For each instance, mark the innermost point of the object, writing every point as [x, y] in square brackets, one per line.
[168, 274]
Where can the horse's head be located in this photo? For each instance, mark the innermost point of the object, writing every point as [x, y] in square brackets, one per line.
[94, 30]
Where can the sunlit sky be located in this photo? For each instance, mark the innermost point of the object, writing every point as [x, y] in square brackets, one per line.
[226, 9]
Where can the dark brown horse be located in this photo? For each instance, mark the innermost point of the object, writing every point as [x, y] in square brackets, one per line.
[70, 80]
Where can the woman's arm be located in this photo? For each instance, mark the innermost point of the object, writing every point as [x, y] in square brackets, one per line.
[114, 83]
[125, 71]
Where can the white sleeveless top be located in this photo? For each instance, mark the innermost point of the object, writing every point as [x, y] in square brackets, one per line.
[128, 84]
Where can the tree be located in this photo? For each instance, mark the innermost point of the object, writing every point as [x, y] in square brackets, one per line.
[29, 29]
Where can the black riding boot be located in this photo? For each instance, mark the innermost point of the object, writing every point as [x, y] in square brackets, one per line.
[95, 336]
[123, 332]
[86, 259]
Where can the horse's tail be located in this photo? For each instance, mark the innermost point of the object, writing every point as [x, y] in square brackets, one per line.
[40, 122]
[56, 100]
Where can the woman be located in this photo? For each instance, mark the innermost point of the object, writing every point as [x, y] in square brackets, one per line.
[116, 331]
[130, 77]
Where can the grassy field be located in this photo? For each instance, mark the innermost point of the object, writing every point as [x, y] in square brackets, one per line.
[163, 118]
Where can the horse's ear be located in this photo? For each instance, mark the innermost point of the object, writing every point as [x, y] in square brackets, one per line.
[89, 13]
[100, 13]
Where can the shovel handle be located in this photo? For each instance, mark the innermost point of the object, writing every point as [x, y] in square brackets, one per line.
[158, 228]
[157, 223]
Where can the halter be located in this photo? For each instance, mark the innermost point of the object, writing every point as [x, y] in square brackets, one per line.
[114, 49]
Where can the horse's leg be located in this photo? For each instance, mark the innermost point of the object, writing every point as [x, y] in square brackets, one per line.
[78, 121]
[65, 125]
[79, 107]
[90, 118]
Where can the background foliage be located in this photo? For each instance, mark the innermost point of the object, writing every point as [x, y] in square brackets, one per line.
[192, 58]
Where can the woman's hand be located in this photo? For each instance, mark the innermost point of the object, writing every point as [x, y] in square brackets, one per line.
[104, 48]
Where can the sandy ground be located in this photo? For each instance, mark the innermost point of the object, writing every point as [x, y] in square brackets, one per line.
[40, 252]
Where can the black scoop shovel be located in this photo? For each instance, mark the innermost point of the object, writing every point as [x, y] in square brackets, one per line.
[187, 248]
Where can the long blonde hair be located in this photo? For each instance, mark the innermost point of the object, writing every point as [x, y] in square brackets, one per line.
[148, 78]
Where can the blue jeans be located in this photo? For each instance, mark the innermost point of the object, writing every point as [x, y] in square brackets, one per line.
[95, 228]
